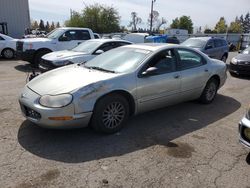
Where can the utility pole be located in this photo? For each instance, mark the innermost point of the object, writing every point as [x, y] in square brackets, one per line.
[151, 15]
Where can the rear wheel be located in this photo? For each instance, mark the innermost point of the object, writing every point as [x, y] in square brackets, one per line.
[110, 113]
[38, 57]
[210, 91]
[224, 58]
[8, 53]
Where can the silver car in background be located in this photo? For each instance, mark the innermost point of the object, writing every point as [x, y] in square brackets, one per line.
[244, 129]
[81, 53]
[122, 82]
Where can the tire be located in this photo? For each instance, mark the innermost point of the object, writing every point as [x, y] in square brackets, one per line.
[110, 114]
[210, 91]
[8, 53]
[224, 58]
[38, 57]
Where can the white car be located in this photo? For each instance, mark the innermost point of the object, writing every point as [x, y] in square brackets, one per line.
[32, 49]
[7, 46]
[82, 53]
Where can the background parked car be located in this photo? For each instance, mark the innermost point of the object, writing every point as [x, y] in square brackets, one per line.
[82, 53]
[124, 81]
[214, 47]
[97, 36]
[240, 65]
[244, 129]
[7, 46]
[33, 49]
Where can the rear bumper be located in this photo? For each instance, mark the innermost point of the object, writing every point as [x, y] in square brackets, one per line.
[27, 55]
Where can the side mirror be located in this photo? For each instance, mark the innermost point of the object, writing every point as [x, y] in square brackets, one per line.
[209, 47]
[64, 38]
[150, 72]
[98, 52]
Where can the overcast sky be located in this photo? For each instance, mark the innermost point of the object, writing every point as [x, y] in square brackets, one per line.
[202, 12]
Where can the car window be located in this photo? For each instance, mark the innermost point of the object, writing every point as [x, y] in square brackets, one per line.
[121, 44]
[217, 43]
[76, 35]
[82, 35]
[107, 46]
[96, 36]
[1, 38]
[164, 61]
[189, 59]
[210, 43]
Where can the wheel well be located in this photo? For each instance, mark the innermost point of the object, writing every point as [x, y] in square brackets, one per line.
[126, 95]
[40, 50]
[217, 78]
[6, 49]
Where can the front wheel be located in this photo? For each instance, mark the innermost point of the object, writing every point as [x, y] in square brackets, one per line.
[110, 113]
[38, 57]
[210, 91]
[8, 53]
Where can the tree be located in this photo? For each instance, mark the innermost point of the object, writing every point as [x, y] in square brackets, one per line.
[135, 21]
[99, 18]
[47, 27]
[175, 24]
[221, 26]
[235, 26]
[34, 25]
[155, 18]
[41, 25]
[245, 23]
[52, 27]
[209, 31]
[184, 22]
[58, 25]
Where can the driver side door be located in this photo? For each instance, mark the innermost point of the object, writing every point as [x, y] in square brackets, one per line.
[162, 88]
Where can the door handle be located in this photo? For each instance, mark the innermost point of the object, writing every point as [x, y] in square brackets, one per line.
[176, 76]
[206, 70]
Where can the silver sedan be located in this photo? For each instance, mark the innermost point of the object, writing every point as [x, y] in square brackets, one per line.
[125, 81]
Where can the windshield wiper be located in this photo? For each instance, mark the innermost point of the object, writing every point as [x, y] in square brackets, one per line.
[99, 68]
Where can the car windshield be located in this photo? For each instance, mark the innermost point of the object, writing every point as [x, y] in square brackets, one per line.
[87, 47]
[55, 33]
[119, 60]
[194, 43]
[246, 51]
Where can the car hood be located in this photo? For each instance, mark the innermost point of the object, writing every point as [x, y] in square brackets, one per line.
[63, 55]
[243, 57]
[66, 80]
[33, 40]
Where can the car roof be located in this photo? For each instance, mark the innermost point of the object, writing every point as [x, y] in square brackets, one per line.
[206, 38]
[152, 46]
[75, 28]
[110, 40]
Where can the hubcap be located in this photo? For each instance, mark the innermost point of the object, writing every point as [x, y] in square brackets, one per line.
[211, 91]
[8, 54]
[113, 115]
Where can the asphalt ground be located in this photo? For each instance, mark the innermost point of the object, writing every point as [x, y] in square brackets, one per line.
[186, 145]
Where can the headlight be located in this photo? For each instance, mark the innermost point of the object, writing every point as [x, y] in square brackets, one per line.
[56, 101]
[247, 133]
[248, 114]
[62, 63]
[234, 61]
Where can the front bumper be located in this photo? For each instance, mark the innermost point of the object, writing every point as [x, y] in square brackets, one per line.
[34, 112]
[240, 69]
[46, 65]
[244, 123]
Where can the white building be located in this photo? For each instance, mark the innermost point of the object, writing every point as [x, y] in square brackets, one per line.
[17, 16]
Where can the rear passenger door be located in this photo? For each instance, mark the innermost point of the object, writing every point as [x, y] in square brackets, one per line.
[194, 73]
[210, 49]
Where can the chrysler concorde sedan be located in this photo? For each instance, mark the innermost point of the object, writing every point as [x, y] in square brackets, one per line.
[244, 129]
[106, 90]
[82, 53]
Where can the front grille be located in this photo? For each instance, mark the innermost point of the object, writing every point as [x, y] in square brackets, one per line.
[244, 63]
[19, 46]
[31, 113]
